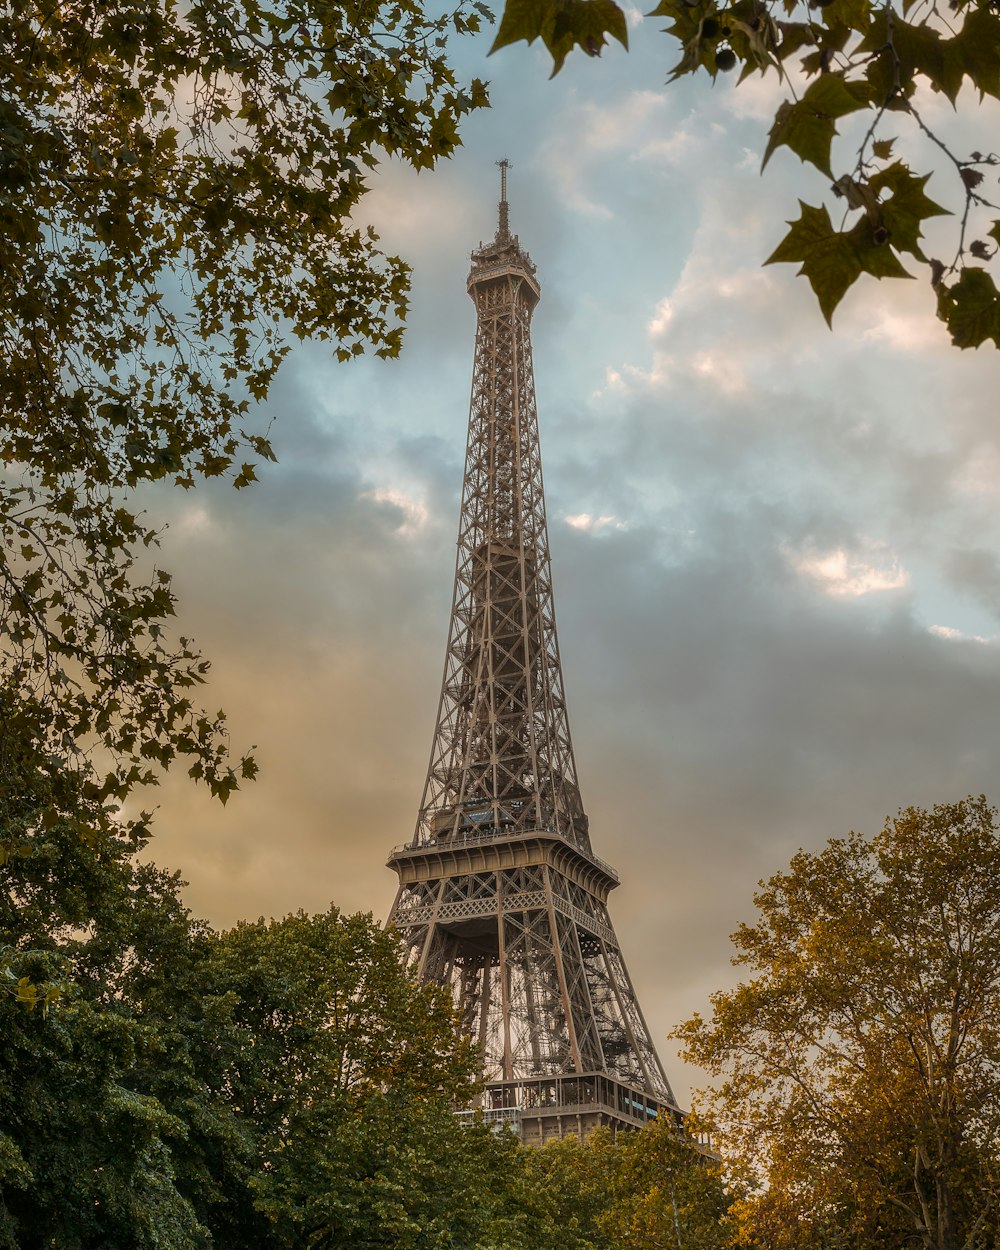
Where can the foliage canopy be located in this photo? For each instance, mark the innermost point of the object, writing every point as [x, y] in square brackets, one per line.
[285, 1085]
[282, 1085]
[180, 190]
[634, 1191]
[860, 1064]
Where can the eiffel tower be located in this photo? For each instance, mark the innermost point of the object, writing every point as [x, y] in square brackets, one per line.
[500, 894]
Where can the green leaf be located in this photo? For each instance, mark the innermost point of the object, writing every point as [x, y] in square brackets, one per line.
[907, 206]
[794, 36]
[977, 47]
[836, 96]
[833, 260]
[523, 19]
[562, 25]
[808, 126]
[971, 308]
[806, 132]
[27, 993]
[875, 254]
[914, 48]
[759, 42]
[827, 257]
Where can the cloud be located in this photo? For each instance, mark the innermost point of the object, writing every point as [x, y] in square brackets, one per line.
[757, 98]
[413, 514]
[605, 128]
[195, 519]
[668, 149]
[590, 524]
[841, 574]
[956, 635]
[980, 474]
[974, 571]
[662, 316]
[891, 315]
[721, 370]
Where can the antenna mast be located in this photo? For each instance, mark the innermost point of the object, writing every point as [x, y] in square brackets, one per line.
[503, 233]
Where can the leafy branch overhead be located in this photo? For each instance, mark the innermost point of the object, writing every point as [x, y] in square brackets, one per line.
[180, 196]
[859, 76]
[562, 25]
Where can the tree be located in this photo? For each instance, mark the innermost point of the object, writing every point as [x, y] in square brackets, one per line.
[180, 190]
[345, 1072]
[566, 1189]
[665, 1193]
[84, 1159]
[317, 1080]
[631, 1191]
[860, 1065]
[283, 1085]
[861, 66]
[85, 1152]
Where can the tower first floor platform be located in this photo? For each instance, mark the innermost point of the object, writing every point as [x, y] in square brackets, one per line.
[516, 925]
[543, 1109]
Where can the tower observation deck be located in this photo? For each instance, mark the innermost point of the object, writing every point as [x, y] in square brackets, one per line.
[501, 896]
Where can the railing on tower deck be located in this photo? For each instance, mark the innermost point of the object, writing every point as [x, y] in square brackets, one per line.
[497, 1118]
[477, 837]
[489, 271]
[583, 1093]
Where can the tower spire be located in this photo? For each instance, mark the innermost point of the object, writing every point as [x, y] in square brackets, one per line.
[500, 896]
[503, 230]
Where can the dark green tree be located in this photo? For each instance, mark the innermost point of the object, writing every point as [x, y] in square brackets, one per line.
[567, 1189]
[85, 1158]
[283, 1085]
[341, 1071]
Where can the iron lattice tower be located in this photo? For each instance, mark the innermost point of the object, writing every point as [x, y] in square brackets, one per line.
[500, 895]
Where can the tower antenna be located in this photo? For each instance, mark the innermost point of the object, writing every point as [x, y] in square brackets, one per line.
[503, 233]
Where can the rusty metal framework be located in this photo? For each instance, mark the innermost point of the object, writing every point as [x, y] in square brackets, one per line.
[500, 894]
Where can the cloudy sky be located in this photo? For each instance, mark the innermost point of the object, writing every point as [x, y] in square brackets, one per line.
[776, 549]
